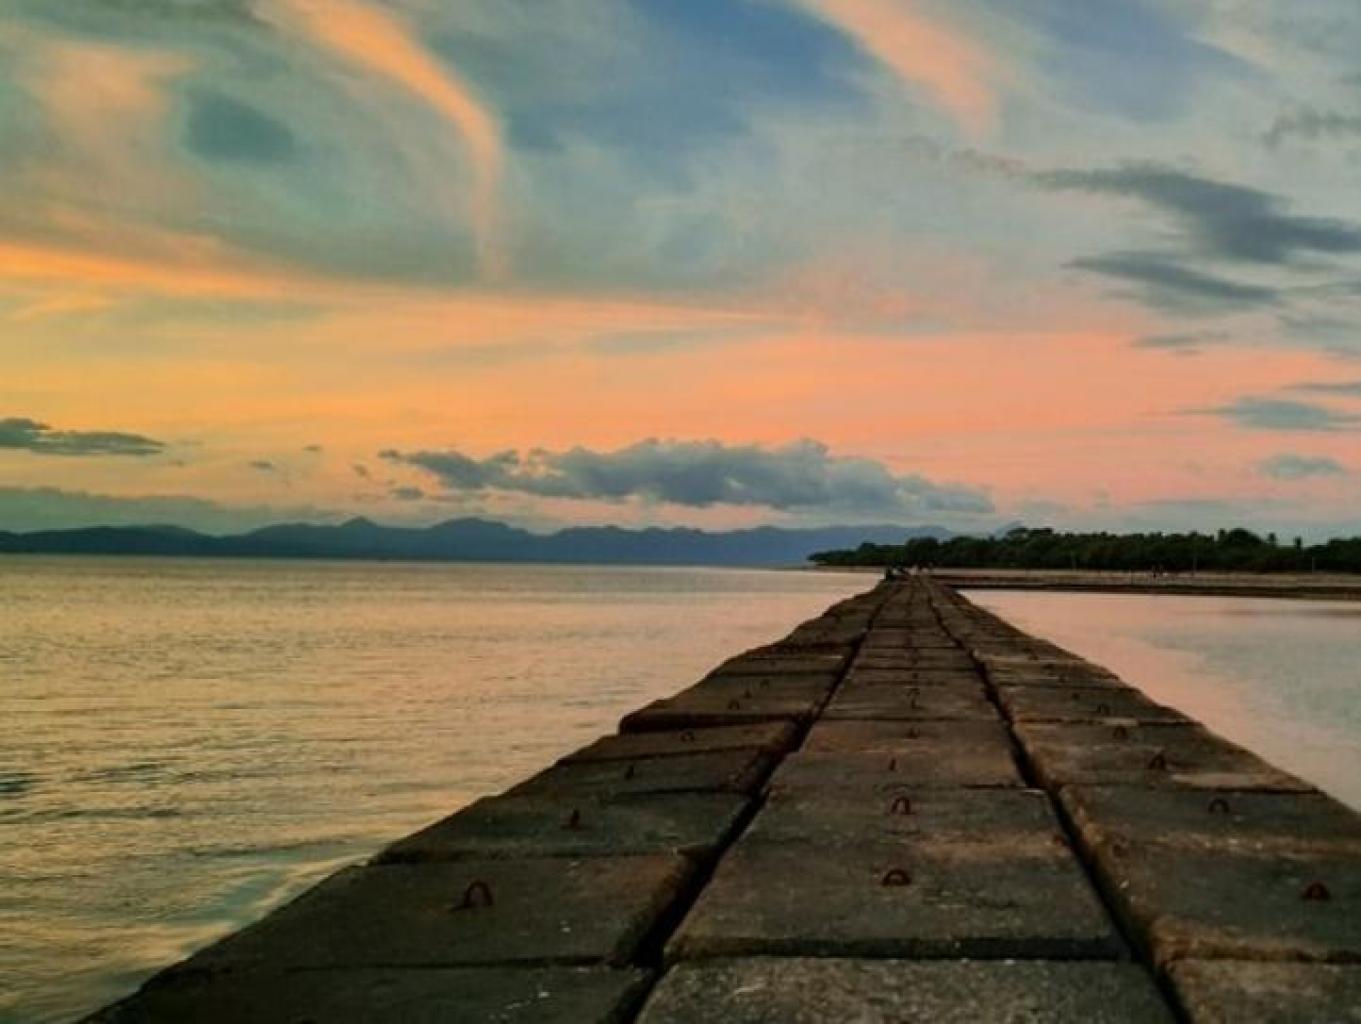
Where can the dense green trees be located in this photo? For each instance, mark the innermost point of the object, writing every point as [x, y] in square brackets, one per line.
[1236, 549]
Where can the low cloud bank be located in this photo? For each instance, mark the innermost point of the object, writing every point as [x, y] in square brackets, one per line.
[800, 476]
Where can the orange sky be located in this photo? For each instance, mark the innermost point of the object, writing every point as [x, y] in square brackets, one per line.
[1093, 288]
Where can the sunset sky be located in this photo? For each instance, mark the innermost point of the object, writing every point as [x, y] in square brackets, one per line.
[1081, 263]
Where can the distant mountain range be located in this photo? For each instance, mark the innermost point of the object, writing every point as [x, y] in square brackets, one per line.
[471, 540]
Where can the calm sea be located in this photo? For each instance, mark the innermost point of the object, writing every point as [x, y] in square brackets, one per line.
[1282, 678]
[187, 743]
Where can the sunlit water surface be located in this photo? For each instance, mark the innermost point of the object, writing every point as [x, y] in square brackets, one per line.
[1282, 678]
[187, 743]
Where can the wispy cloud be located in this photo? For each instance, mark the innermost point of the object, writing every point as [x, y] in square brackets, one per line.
[1288, 466]
[1346, 388]
[1183, 343]
[1166, 283]
[378, 40]
[30, 435]
[1222, 219]
[803, 475]
[1312, 126]
[924, 53]
[1257, 413]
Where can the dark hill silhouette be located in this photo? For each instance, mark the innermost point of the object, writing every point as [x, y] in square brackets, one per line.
[471, 540]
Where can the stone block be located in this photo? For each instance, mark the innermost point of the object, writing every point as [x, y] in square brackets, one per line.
[931, 766]
[894, 737]
[1218, 820]
[1188, 903]
[463, 913]
[1012, 819]
[712, 704]
[504, 995]
[910, 703]
[773, 737]
[765, 664]
[798, 990]
[1150, 755]
[1091, 678]
[972, 900]
[731, 771]
[694, 824]
[1232, 992]
[1082, 704]
[908, 676]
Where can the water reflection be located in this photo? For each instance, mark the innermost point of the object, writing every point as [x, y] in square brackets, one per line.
[187, 743]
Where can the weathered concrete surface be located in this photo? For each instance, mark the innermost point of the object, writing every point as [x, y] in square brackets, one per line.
[732, 771]
[496, 995]
[928, 766]
[818, 991]
[771, 737]
[1012, 819]
[1081, 704]
[734, 700]
[910, 703]
[1189, 903]
[965, 900]
[869, 736]
[695, 824]
[769, 663]
[1038, 674]
[1145, 755]
[543, 911]
[1234, 992]
[1225, 820]
[908, 674]
[933, 657]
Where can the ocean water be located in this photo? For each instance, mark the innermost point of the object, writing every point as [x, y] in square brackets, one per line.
[1282, 678]
[185, 744]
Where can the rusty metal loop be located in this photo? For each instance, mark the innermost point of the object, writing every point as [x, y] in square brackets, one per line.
[1219, 806]
[895, 877]
[1158, 762]
[1316, 892]
[900, 805]
[478, 894]
[734, 705]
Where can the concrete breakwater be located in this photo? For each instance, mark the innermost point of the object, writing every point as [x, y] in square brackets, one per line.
[905, 810]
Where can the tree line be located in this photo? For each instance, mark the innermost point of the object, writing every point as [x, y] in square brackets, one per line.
[1235, 550]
